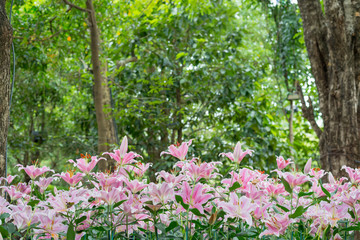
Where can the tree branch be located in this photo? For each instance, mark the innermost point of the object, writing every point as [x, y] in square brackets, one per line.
[308, 112]
[39, 39]
[122, 63]
[71, 5]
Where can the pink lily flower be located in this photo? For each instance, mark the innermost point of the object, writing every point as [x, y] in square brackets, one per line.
[276, 225]
[239, 207]
[253, 193]
[139, 169]
[107, 182]
[181, 164]
[50, 225]
[84, 165]
[135, 186]
[194, 197]
[4, 206]
[294, 179]
[23, 187]
[170, 178]
[238, 154]
[261, 212]
[113, 196]
[9, 178]
[180, 152]
[196, 172]
[243, 177]
[44, 183]
[13, 192]
[70, 178]
[350, 198]
[335, 212]
[282, 163]
[23, 216]
[122, 156]
[161, 193]
[275, 189]
[354, 174]
[34, 171]
[317, 173]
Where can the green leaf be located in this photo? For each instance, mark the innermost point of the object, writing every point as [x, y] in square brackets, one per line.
[198, 224]
[11, 228]
[286, 185]
[282, 207]
[70, 235]
[236, 185]
[301, 194]
[197, 212]
[4, 232]
[4, 215]
[218, 224]
[119, 203]
[79, 220]
[323, 198]
[101, 228]
[326, 232]
[171, 226]
[33, 203]
[249, 233]
[351, 212]
[333, 193]
[352, 228]
[150, 210]
[298, 212]
[325, 191]
[181, 54]
[180, 200]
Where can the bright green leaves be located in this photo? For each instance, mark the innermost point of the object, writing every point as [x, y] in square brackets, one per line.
[286, 186]
[235, 186]
[179, 199]
[298, 212]
[70, 235]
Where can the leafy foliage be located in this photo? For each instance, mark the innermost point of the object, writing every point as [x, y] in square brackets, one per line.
[204, 70]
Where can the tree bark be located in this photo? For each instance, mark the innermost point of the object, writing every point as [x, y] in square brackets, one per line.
[106, 130]
[332, 39]
[5, 46]
[179, 114]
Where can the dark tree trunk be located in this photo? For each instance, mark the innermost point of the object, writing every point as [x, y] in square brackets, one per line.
[5, 46]
[332, 39]
[106, 130]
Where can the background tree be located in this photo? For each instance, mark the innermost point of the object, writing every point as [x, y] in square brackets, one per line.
[332, 37]
[196, 77]
[5, 47]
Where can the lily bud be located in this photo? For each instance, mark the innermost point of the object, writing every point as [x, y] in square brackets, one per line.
[308, 166]
[331, 178]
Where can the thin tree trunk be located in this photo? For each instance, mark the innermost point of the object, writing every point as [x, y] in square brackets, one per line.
[106, 131]
[5, 46]
[291, 120]
[179, 115]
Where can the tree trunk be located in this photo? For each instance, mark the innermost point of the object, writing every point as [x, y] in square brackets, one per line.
[179, 114]
[5, 46]
[106, 130]
[332, 39]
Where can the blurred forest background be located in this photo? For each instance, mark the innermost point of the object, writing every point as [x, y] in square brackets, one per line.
[216, 71]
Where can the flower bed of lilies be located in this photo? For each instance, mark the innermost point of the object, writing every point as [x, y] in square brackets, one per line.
[192, 202]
